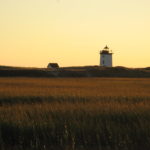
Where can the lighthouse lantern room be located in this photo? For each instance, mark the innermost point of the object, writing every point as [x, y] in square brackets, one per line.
[106, 57]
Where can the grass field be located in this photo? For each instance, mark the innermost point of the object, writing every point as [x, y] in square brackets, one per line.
[75, 113]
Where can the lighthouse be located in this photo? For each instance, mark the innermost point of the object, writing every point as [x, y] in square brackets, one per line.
[106, 57]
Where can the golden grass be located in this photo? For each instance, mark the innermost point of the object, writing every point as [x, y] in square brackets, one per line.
[91, 87]
[109, 113]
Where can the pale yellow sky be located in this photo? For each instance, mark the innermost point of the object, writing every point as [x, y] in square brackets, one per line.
[71, 32]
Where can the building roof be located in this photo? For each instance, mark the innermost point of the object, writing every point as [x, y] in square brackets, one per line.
[53, 65]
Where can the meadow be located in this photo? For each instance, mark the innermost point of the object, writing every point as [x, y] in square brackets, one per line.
[74, 113]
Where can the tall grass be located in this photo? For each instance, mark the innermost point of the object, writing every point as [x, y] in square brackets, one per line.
[68, 113]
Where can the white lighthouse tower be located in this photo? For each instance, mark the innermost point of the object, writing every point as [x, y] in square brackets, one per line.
[106, 57]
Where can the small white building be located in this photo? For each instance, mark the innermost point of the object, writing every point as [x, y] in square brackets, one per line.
[106, 57]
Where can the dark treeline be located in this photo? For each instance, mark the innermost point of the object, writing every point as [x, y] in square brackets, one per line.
[91, 71]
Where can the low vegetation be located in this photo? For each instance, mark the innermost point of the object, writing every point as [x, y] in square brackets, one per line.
[74, 113]
[86, 71]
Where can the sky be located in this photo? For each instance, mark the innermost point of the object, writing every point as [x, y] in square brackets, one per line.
[72, 32]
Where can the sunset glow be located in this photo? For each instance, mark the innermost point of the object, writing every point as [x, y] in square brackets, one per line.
[72, 32]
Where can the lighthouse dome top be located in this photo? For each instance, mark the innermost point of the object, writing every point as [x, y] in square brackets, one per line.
[106, 48]
[106, 51]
